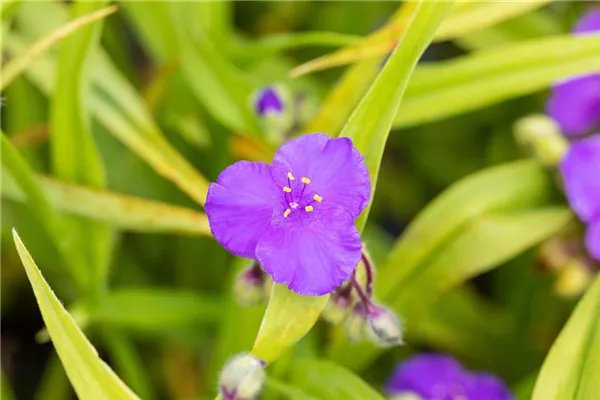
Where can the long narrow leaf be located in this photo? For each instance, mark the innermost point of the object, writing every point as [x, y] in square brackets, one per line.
[370, 123]
[570, 370]
[18, 64]
[89, 375]
[118, 210]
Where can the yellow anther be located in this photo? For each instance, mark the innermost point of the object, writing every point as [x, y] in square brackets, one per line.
[291, 176]
[308, 208]
[305, 180]
[286, 213]
[287, 189]
[317, 198]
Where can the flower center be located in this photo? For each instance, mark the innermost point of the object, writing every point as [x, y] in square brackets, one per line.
[294, 197]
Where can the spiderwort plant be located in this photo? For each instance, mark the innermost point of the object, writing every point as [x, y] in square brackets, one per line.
[580, 169]
[575, 103]
[295, 216]
[441, 377]
[273, 109]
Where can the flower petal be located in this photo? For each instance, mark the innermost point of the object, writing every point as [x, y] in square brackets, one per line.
[313, 256]
[575, 105]
[580, 168]
[239, 206]
[336, 170]
[590, 22]
[427, 375]
[592, 239]
[486, 386]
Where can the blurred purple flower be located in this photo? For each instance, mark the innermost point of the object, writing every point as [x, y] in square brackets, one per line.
[575, 103]
[268, 101]
[580, 169]
[297, 215]
[441, 377]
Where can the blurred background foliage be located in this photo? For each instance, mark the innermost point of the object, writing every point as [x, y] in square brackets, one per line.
[126, 121]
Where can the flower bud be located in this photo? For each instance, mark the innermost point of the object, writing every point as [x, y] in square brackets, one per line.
[354, 324]
[252, 285]
[338, 306]
[541, 136]
[384, 326]
[276, 116]
[574, 278]
[242, 378]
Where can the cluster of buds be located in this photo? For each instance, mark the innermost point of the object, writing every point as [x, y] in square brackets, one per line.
[242, 378]
[352, 304]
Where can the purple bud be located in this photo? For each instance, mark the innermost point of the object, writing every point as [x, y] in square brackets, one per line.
[242, 378]
[269, 101]
[252, 285]
[384, 326]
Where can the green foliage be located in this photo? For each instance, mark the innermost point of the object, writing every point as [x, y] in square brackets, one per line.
[88, 374]
[115, 119]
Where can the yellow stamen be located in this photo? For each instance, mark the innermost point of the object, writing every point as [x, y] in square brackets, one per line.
[287, 189]
[286, 213]
[317, 198]
[308, 208]
[305, 180]
[291, 176]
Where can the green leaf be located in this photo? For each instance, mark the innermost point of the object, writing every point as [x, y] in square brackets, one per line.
[286, 390]
[488, 218]
[224, 91]
[464, 18]
[128, 363]
[115, 103]
[89, 375]
[289, 316]
[75, 157]
[329, 381]
[115, 209]
[15, 66]
[153, 310]
[486, 77]
[570, 370]
[6, 392]
[467, 17]
[370, 123]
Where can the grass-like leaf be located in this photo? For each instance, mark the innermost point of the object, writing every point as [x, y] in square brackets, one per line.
[491, 76]
[17, 65]
[464, 18]
[118, 210]
[328, 381]
[570, 370]
[370, 123]
[89, 375]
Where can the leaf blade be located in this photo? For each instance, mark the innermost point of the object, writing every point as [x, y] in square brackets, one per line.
[89, 375]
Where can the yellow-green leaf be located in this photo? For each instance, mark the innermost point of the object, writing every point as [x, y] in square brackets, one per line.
[118, 210]
[571, 368]
[17, 65]
[289, 316]
[464, 18]
[370, 123]
[443, 89]
[329, 381]
[89, 375]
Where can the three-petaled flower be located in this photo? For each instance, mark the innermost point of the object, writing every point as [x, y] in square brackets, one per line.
[441, 377]
[296, 216]
[580, 168]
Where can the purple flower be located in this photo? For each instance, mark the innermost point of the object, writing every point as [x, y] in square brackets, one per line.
[269, 101]
[580, 169]
[441, 377]
[297, 215]
[575, 103]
